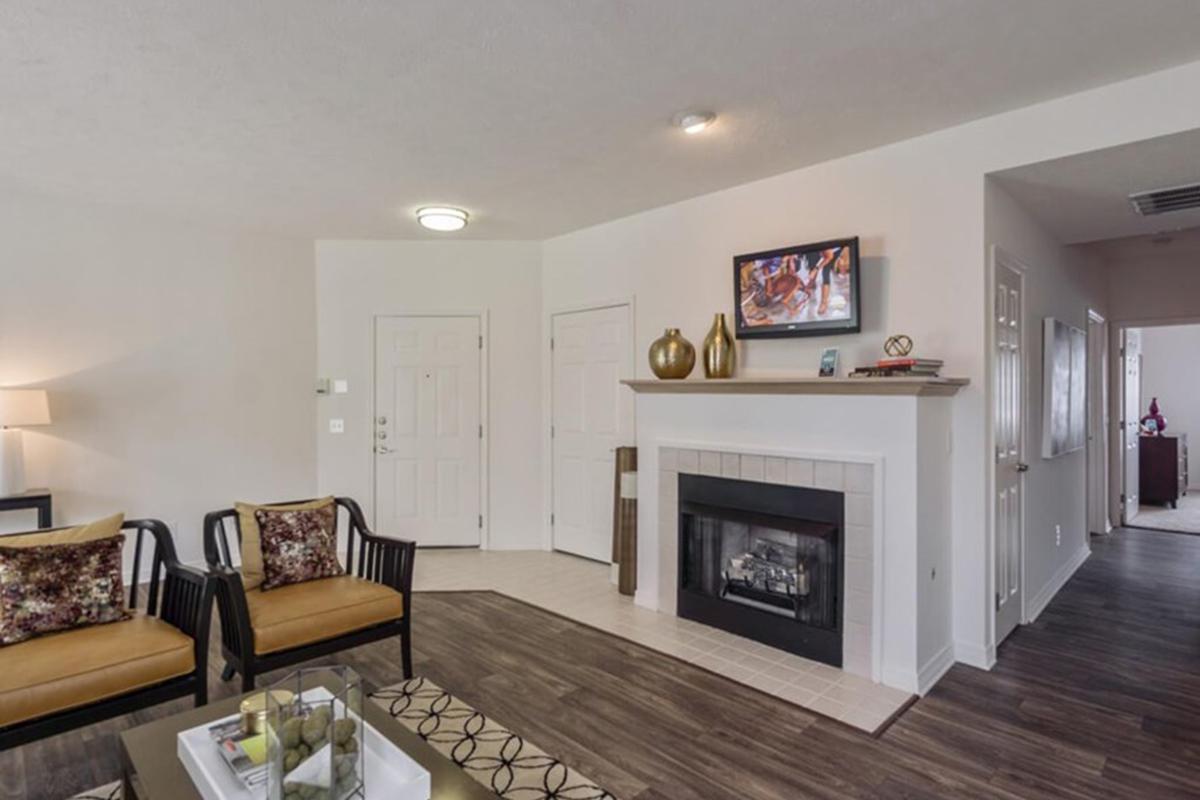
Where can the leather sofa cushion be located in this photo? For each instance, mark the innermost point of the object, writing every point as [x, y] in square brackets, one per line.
[303, 613]
[74, 668]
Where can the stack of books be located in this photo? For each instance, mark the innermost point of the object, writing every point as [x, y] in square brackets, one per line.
[905, 367]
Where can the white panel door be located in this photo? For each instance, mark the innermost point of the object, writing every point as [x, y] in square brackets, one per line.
[592, 416]
[1131, 361]
[427, 429]
[1008, 382]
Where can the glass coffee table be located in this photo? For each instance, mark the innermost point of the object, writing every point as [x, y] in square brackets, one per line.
[151, 770]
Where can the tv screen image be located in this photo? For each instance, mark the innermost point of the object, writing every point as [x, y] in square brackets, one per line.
[806, 290]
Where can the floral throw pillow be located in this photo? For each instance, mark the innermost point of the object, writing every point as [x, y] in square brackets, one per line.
[56, 587]
[297, 545]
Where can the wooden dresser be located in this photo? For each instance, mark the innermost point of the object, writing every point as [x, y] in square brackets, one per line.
[1163, 469]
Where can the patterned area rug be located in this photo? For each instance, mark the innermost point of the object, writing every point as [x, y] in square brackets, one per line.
[493, 755]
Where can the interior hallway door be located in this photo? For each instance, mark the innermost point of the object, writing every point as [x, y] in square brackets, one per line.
[1008, 387]
[592, 415]
[1131, 411]
[428, 431]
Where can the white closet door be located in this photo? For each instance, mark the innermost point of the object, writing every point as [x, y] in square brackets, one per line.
[1008, 386]
[592, 416]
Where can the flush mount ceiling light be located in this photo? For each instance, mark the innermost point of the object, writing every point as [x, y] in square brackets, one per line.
[443, 219]
[694, 122]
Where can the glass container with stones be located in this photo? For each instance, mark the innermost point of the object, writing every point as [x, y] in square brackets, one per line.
[315, 740]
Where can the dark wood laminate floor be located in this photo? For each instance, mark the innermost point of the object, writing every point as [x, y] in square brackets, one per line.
[1100, 698]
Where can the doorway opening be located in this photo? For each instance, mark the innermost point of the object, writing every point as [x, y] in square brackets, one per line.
[1162, 417]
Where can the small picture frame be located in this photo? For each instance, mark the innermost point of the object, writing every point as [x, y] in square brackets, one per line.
[829, 363]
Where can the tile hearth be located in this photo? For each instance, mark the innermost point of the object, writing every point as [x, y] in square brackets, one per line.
[580, 590]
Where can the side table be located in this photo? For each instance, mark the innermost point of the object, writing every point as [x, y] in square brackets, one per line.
[37, 499]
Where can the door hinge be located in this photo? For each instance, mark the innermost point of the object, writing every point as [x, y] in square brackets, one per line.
[481, 430]
[997, 601]
[551, 431]
[552, 519]
[481, 521]
[1122, 498]
[481, 342]
[551, 342]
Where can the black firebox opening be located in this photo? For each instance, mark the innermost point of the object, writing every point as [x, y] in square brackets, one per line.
[763, 561]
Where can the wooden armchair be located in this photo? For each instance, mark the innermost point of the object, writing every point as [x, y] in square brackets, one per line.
[262, 631]
[65, 680]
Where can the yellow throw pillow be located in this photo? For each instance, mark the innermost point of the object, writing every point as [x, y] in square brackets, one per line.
[100, 529]
[252, 560]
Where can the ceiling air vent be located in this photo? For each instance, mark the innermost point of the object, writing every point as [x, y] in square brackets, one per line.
[1161, 201]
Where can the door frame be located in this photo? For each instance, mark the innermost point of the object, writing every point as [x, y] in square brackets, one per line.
[482, 316]
[1123, 455]
[998, 255]
[1098, 428]
[1116, 465]
[548, 396]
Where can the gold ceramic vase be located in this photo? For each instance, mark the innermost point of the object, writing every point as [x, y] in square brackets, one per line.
[720, 357]
[672, 356]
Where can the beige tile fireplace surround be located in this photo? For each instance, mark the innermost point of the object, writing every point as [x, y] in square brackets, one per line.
[854, 479]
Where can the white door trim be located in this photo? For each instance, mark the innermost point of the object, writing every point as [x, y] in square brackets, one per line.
[1097, 423]
[998, 255]
[548, 396]
[484, 409]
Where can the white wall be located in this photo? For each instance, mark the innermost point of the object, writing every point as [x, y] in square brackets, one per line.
[179, 362]
[1155, 287]
[357, 280]
[1060, 282]
[919, 208]
[1169, 355]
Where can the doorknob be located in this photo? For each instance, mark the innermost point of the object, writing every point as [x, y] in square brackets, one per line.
[382, 450]
[381, 420]
[1022, 467]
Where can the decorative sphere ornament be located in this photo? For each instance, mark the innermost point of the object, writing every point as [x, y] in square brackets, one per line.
[898, 345]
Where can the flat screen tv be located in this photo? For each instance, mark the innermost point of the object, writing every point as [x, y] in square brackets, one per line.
[806, 290]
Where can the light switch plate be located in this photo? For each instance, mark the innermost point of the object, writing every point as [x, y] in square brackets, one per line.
[340, 386]
[337, 426]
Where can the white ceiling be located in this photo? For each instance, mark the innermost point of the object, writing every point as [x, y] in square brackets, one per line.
[1085, 198]
[320, 118]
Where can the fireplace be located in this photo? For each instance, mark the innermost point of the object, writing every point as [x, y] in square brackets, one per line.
[763, 561]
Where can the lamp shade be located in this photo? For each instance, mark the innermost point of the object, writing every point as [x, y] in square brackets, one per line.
[20, 408]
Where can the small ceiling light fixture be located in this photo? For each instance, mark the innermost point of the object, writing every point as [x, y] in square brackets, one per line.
[443, 219]
[694, 122]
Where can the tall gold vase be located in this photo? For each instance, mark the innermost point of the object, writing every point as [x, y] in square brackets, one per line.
[720, 357]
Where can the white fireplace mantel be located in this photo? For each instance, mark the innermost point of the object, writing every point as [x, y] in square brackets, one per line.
[920, 387]
[780, 433]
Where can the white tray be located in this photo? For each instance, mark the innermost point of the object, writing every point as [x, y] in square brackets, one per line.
[391, 773]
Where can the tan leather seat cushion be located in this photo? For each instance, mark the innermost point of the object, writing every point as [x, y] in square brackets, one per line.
[303, 613]
[77, 667]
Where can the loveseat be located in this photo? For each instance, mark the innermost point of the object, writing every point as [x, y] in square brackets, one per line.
[66, 679]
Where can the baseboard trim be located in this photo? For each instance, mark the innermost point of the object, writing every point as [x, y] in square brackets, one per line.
[934, 669]
[1038, 604]
[975, 655]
